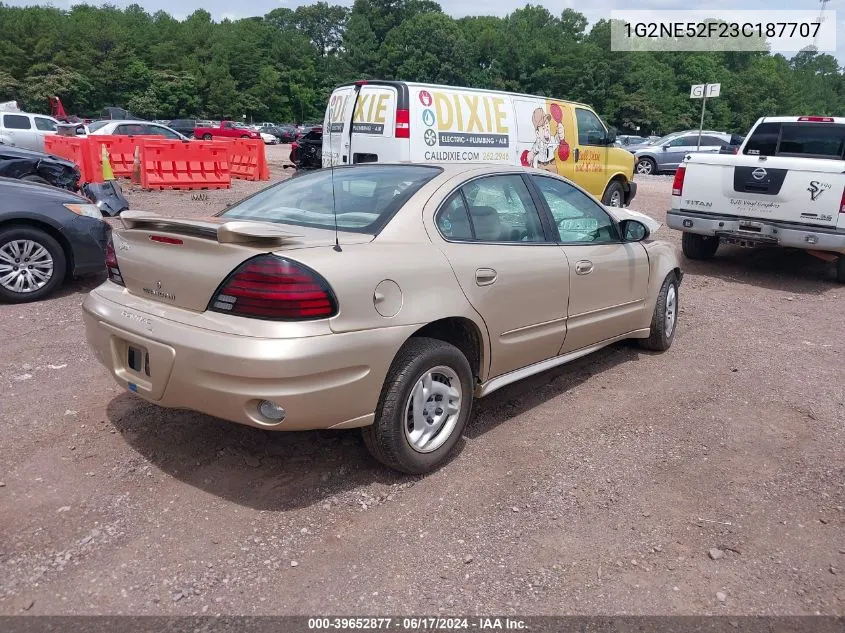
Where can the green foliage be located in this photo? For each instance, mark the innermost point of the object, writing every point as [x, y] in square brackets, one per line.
[283, 66]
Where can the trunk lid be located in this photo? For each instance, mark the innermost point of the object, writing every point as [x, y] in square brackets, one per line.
[799, 190]
[181, 262]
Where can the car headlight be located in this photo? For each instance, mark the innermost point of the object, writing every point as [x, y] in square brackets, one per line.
[88, 210]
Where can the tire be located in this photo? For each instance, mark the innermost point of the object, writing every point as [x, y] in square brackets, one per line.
[34, 178]
[206, 137]
[840, 269]
[614, 195]
[663, 327]
[645, 166]
[389, 438]
[22, 237]
[244, 135]
[699, 246]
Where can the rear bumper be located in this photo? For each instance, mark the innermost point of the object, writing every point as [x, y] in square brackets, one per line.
[326, 381]
[754, 231]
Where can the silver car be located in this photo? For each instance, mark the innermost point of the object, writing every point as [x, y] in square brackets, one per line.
[665, 154]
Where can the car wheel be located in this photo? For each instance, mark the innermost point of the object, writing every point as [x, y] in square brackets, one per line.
[840, 269]
[699, 246]
[423, 408]
[34, 178]
[32, 264]
[646, 166]
[614, 195]
[206, 137]
[664, 321]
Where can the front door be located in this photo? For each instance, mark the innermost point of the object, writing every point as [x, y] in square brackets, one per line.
[608, 279]
[509, 268]
[590, 152]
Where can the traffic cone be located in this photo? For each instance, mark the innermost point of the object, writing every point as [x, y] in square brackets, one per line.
[136, 166]
[108, 174]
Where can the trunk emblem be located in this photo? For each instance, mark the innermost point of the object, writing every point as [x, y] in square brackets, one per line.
[759, 173]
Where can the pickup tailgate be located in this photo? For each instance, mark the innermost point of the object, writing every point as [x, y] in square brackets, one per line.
[770, 189]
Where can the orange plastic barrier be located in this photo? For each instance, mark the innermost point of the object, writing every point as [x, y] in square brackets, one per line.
[121, 150]
[247, 159]
[77, 150]
[177, 165]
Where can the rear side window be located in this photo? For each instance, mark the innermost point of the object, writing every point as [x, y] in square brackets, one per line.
[16, 122]
[764, 140]
[130, 129]
[45, 125]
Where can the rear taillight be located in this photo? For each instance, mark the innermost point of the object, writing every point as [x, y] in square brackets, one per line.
[111, 263]
[842, 203]
[678, 184]
[275, 289]
[403, 124]
[817, 119]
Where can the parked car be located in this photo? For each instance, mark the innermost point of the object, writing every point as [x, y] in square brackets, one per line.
[185, 127]
[226, 129]
[667, 153]
[135, 128]
[624, 140]
[24, 130]
[268, 138]
[397, 121]
[785, 187]
[381, 296]
[46, 235]
[27, 165]
[285, 134]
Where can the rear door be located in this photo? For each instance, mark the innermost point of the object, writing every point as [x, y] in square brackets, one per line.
[21, 132]
[335, 126]
[373, 128]
[510, 270]
[787, 171]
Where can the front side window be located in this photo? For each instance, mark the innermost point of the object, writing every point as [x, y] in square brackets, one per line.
[579, 218]
[590, 127]
[45, 125]
[156, 130]
[683, 141]
[359, 199]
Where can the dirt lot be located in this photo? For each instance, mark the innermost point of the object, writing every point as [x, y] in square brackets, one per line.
[600, 487]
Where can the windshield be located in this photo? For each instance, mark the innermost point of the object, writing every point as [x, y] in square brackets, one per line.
[365, 197]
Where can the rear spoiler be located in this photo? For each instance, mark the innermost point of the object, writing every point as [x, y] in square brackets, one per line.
[224, 231]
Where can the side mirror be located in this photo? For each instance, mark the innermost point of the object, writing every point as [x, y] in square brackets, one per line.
[611, 136]
[665, 147]
[633, 231]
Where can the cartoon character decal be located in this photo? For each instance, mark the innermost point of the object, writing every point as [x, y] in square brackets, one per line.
[542, 152]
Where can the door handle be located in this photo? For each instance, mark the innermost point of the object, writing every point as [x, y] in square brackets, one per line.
[583, 267]
[485, 276]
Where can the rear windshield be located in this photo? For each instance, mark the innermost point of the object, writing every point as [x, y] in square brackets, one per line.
[813, 140]
[363, 198]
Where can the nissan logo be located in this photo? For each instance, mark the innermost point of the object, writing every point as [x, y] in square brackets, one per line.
[759, 173]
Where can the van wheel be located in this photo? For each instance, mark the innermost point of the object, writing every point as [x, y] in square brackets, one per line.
[699, 246]
[665, 317]
[840, 269]
[32, 264]
[614, 195]
[423, 408]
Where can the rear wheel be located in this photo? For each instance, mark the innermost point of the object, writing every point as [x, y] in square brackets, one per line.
[699, 246]
[646, 166]
[840, 269]
[423, 408]
[206, 137]
[32, 264]
[665, 317]
[244, 135]
[614, 195]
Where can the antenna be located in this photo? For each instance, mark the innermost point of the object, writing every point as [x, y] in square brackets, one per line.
[331, 172]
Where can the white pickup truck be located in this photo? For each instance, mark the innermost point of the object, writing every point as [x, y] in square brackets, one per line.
[785, 187]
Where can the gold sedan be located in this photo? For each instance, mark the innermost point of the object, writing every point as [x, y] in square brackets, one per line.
[385, 297]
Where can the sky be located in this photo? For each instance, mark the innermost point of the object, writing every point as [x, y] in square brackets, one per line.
[597, 10]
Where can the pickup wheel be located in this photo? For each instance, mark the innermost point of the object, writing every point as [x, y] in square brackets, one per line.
[244, 135]
[840, 269]
[206, 137]
[699, 246]
[424, 406]
[665, 317]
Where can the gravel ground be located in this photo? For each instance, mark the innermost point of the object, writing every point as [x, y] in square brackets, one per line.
[706, 480]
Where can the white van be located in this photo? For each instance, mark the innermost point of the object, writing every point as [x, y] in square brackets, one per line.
[397, 121]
